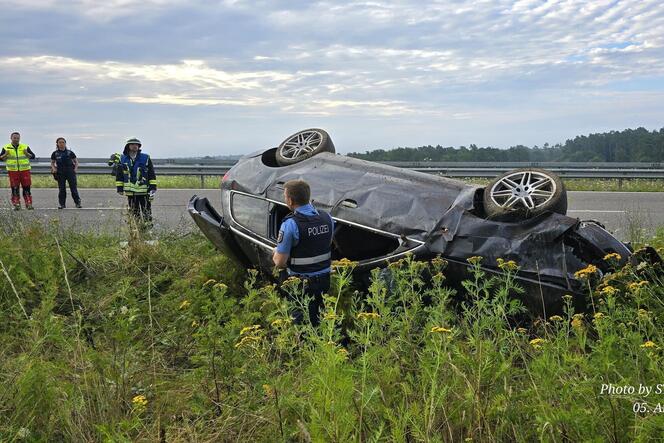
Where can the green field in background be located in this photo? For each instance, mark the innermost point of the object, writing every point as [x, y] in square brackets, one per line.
[212, 182]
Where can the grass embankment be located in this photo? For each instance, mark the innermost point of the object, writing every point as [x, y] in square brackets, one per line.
[108, 181]
[212, 182]
[146, 342]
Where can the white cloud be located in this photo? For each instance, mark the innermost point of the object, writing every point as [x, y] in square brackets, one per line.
[464, 62]
[101, 11]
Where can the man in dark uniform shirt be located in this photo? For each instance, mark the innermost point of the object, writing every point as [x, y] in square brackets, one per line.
[64, 165]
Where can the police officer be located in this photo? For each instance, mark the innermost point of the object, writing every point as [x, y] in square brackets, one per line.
[64, 165]
[136, 179]
[304, 246]
[17, 156]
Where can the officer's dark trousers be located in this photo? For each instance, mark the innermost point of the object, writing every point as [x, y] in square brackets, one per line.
[140, 208]
[65, 177]
[314, 288]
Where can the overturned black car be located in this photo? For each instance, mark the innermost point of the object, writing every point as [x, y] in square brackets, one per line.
[383, 213]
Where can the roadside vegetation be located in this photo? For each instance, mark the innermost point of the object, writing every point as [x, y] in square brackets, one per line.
[628, 145]
[213, 182]
[172, 342]
[108, 181]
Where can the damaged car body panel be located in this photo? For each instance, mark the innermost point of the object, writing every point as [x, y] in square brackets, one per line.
[382, 213]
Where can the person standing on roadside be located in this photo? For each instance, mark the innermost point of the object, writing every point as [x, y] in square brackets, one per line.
[114, 162]
[64, 166]
[136, 179]
[17, 158]
[304, 246]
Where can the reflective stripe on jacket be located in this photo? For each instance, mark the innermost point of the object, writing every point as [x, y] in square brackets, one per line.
[17, 158]
[133, 176]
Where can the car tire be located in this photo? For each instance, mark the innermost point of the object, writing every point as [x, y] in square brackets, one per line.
[524, 193]
[303, 145]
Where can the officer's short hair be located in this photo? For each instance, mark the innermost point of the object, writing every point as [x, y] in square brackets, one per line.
[298, 191]
[14, 133]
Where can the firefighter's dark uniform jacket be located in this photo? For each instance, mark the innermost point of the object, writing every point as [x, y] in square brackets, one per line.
[135, 177]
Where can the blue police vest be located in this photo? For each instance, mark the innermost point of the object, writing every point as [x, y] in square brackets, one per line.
[313, 251]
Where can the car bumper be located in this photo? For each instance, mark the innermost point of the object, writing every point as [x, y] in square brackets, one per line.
[213, 227]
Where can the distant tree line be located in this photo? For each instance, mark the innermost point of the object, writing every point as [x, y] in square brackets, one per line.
[630, 145]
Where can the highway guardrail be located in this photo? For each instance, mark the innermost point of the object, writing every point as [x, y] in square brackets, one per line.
[449, 169]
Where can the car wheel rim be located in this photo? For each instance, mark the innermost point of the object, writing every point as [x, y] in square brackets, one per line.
[523, 190]
[301, 144]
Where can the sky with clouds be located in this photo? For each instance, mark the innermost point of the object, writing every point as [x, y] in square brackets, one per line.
[229, 77]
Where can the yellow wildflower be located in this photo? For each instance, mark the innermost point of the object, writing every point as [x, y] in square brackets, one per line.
[248, 329]
[521, 330]
[649, 345]
[438, 278]
[281, 321]
[556, 318]
[642, 313]
[635, 286]
[209, 282]
[344, 263]
[509, 265]
[220, 286]
[537, 342]
[247, 340]
[598, 316]
[185, 304]
[292, 280]
[586, 272]
[194, 324]
[440, 330]
[139, 402]
[608, 290]
[577, 321]
[330, 315]
[269, 391]
[343, 352]
[438, 262]
[612, 256]
[567, 298]
[474, 260]
[368, 315]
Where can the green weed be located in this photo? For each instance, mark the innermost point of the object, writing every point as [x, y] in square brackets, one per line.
[173, 342]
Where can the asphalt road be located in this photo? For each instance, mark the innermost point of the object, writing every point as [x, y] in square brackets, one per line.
[103, 209]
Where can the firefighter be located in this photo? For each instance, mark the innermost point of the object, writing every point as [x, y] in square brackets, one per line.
[17, 158]
[64, 166]
[136, 179]
[114, 162]
[304, 246]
